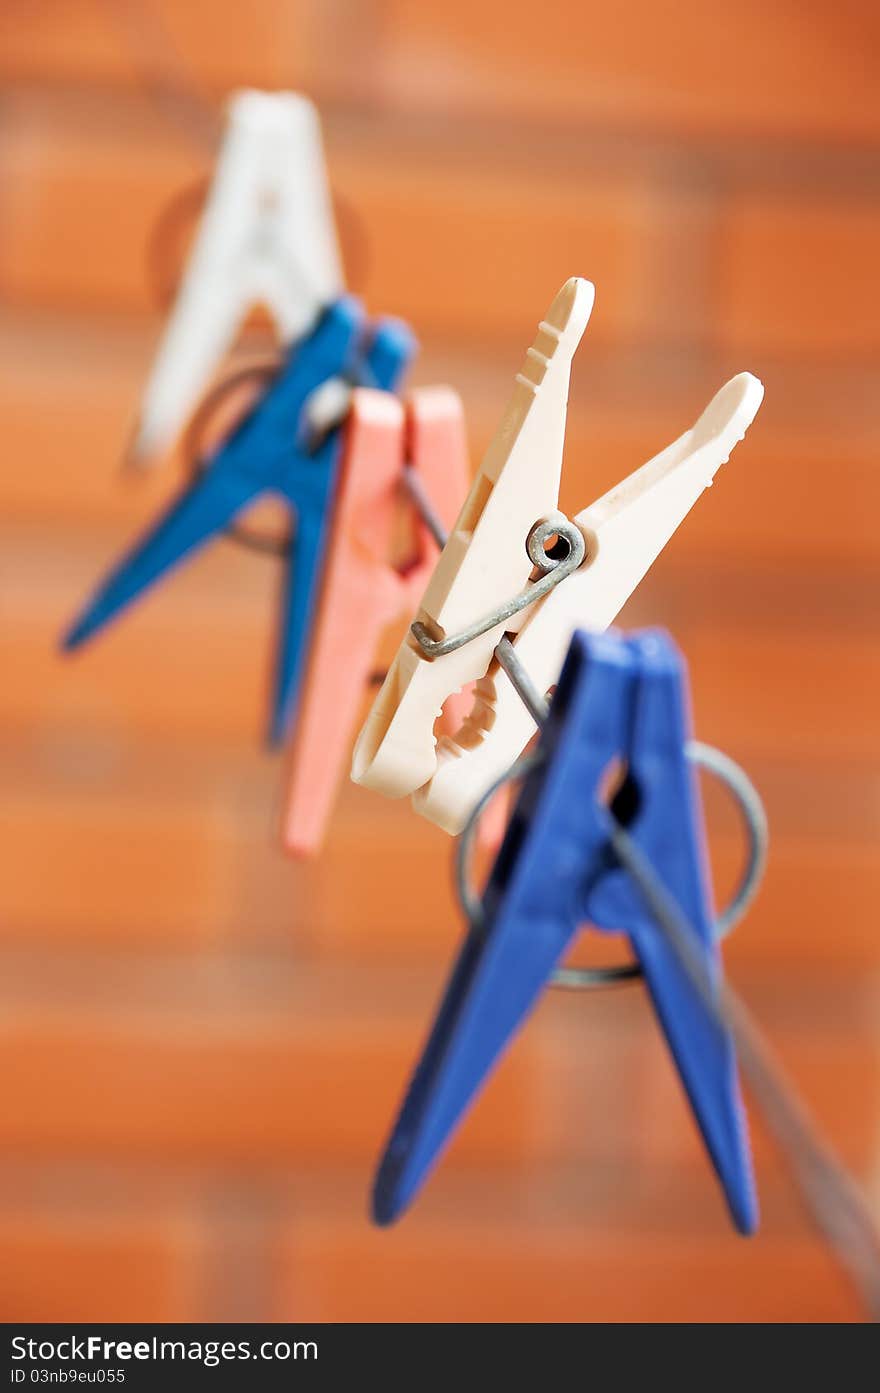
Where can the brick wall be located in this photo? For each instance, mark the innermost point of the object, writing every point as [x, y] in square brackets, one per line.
[202, 1043]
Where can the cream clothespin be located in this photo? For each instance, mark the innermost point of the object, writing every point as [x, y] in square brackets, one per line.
[485, 562]
[266, 237]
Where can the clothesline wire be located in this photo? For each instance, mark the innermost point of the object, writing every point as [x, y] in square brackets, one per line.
[166, 79]
[832, 1199]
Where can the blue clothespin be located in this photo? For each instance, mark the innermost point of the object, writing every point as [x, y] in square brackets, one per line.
[268, 452]
[617, 698]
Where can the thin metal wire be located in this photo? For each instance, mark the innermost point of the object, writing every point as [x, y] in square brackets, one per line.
[414, 486]
[470, 902]
[715, 761]
[720, 765]
[325, 410]
[199, 461]
[535, 703]
[164, 76]
[830, 1196]
[754, 818]
[171, 85]
[554, 569]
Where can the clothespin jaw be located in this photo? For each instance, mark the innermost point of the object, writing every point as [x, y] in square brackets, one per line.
[364, 589]
[485, 562]
[625, 531]
[269, 451]
[266, 237]
[616, 699]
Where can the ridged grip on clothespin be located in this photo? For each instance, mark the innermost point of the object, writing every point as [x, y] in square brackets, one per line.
[625, 532]
[484, 560]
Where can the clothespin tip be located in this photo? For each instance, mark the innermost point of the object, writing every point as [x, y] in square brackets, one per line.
[572, 306]
[737, 403]
[138, 453]
[75, 635]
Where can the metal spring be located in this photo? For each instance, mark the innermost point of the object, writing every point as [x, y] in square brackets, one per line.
[754, 818]
[553, 566]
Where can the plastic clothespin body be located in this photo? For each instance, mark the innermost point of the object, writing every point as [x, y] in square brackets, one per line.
[266, 237]
[485, 562]
[617, 699]
[269, 451]
[363, 590]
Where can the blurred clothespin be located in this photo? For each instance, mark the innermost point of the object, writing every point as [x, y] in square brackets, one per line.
[364, 588]
[272, 450]
[618, 699]
[508, 521]
[266, 237]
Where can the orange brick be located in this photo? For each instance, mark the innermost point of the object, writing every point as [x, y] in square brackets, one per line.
[217, 44]
[801, 489]
[84, 191]
[177, 664]
[801, 500]
[460, 245]
[793, 495]
[810, 885]
[787, 694]
[690, 66]
[476, 248]
[68, 396]
[810, 882]
[464, 1269]
[836, 1074]
[59, 1267]
[778, 71]
[796, 490]
[235, 1086]
[123, 871]
[798, 276]
[77, 39]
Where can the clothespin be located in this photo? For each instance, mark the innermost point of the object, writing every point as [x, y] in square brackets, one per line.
[363, 589]
[617, 699]
[485, 563]
[270, 451]
[266, 237]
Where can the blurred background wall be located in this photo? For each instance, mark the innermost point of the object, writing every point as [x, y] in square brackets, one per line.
[201, 1043]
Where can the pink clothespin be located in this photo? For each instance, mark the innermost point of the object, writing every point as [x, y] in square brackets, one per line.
[363, 589]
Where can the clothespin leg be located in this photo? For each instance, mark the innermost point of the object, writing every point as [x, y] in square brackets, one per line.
[668, 828]
[493, 987]
[185, 360]
[385, 360]
[243, 467]
[363, 591]
[265, 236]
[529, 919]
[300, 587]
[352, 611]
[703, 1050]
[704, 1055]
[202, 510]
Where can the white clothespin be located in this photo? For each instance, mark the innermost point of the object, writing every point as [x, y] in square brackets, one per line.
[266, 237]
[484, 563]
